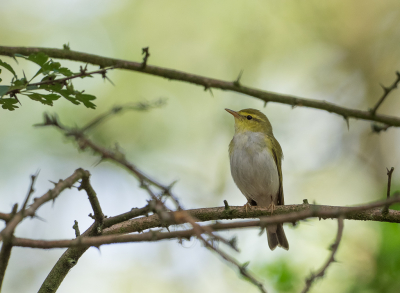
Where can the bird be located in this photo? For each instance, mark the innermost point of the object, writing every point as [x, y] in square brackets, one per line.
[256, 167]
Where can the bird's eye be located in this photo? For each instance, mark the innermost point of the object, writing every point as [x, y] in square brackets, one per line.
[249, 117]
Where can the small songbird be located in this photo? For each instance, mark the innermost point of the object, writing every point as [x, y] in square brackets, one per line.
[255, 158]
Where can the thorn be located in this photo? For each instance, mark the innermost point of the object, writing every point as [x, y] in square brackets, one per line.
[305, 201]
[76, 228]
[245, 265]
[227, 208]
[237, 81]
[211, 92]
[265, 104]
[145, 52]
[347, 122]
[39, 218]
[169, 187]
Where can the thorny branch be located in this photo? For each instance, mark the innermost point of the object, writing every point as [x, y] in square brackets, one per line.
[17, 217]
[386, 92]
[71, 256]
[160, 209]
[83, 72]
[330, 260]
[204, 82]
[113, 234]
[94, 201]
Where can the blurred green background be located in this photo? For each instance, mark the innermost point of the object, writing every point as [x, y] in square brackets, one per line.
[338, 51]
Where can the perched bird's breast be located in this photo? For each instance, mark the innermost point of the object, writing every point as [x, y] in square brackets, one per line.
[253, 167]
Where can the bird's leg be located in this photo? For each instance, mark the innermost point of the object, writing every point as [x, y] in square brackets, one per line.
[271, 206]
[247, 206]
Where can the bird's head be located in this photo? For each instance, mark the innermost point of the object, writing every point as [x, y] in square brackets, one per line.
[251, 120]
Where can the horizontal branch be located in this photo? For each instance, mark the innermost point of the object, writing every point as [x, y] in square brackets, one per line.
[284, 214]
[371, 212]
[206, 82]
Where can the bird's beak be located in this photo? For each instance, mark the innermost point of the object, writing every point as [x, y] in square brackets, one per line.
[235, 114]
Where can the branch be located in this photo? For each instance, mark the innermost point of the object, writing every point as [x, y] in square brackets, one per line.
[71, 256]
[94, 202]
[386, 92]
[62, 81]
[389, 174]
[159, 208]
[205, 82]
[370, 212]
[362, 212]
[8, 231]
[330, 260]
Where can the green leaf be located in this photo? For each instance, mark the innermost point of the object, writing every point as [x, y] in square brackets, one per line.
[20, 83]
[51, 87]
[38, 58]
[85, 99]
[32, 87]
[65, 71]
[8, 104]
[4, 89]
[44, 99]
[8, 67]
[48, 67]
[68, 96]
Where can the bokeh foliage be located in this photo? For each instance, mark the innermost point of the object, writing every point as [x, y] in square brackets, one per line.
[330, 50]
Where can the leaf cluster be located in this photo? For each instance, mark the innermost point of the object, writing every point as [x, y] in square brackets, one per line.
[55, 83]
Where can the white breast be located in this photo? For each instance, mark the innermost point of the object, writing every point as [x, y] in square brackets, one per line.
[254, 169]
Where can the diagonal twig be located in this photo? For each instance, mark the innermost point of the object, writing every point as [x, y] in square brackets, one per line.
[331, 259]
[145, 181]
[94, 202]
[71, 256]
[8, 231]
[386, 92]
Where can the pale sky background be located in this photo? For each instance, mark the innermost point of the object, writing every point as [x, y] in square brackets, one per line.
[338, 51]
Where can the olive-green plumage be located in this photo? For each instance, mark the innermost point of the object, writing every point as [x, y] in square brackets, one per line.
[256, 158]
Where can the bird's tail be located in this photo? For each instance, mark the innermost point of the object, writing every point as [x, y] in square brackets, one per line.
[276, 237]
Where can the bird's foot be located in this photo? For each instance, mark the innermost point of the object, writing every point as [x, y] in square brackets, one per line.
[247, 206]
[271, 207]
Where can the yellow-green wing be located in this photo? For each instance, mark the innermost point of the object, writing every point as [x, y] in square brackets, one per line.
[278, 156]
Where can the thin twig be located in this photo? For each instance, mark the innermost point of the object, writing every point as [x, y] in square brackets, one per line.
[63, 80]
[389, 183]
[330, 260]
[94, 202]
[71, 256]
[146, 53]
[386, 92]
[202, 81]
[141, 106]
[8, 231]
[30, 191]
[76, 228]
[145, 181]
